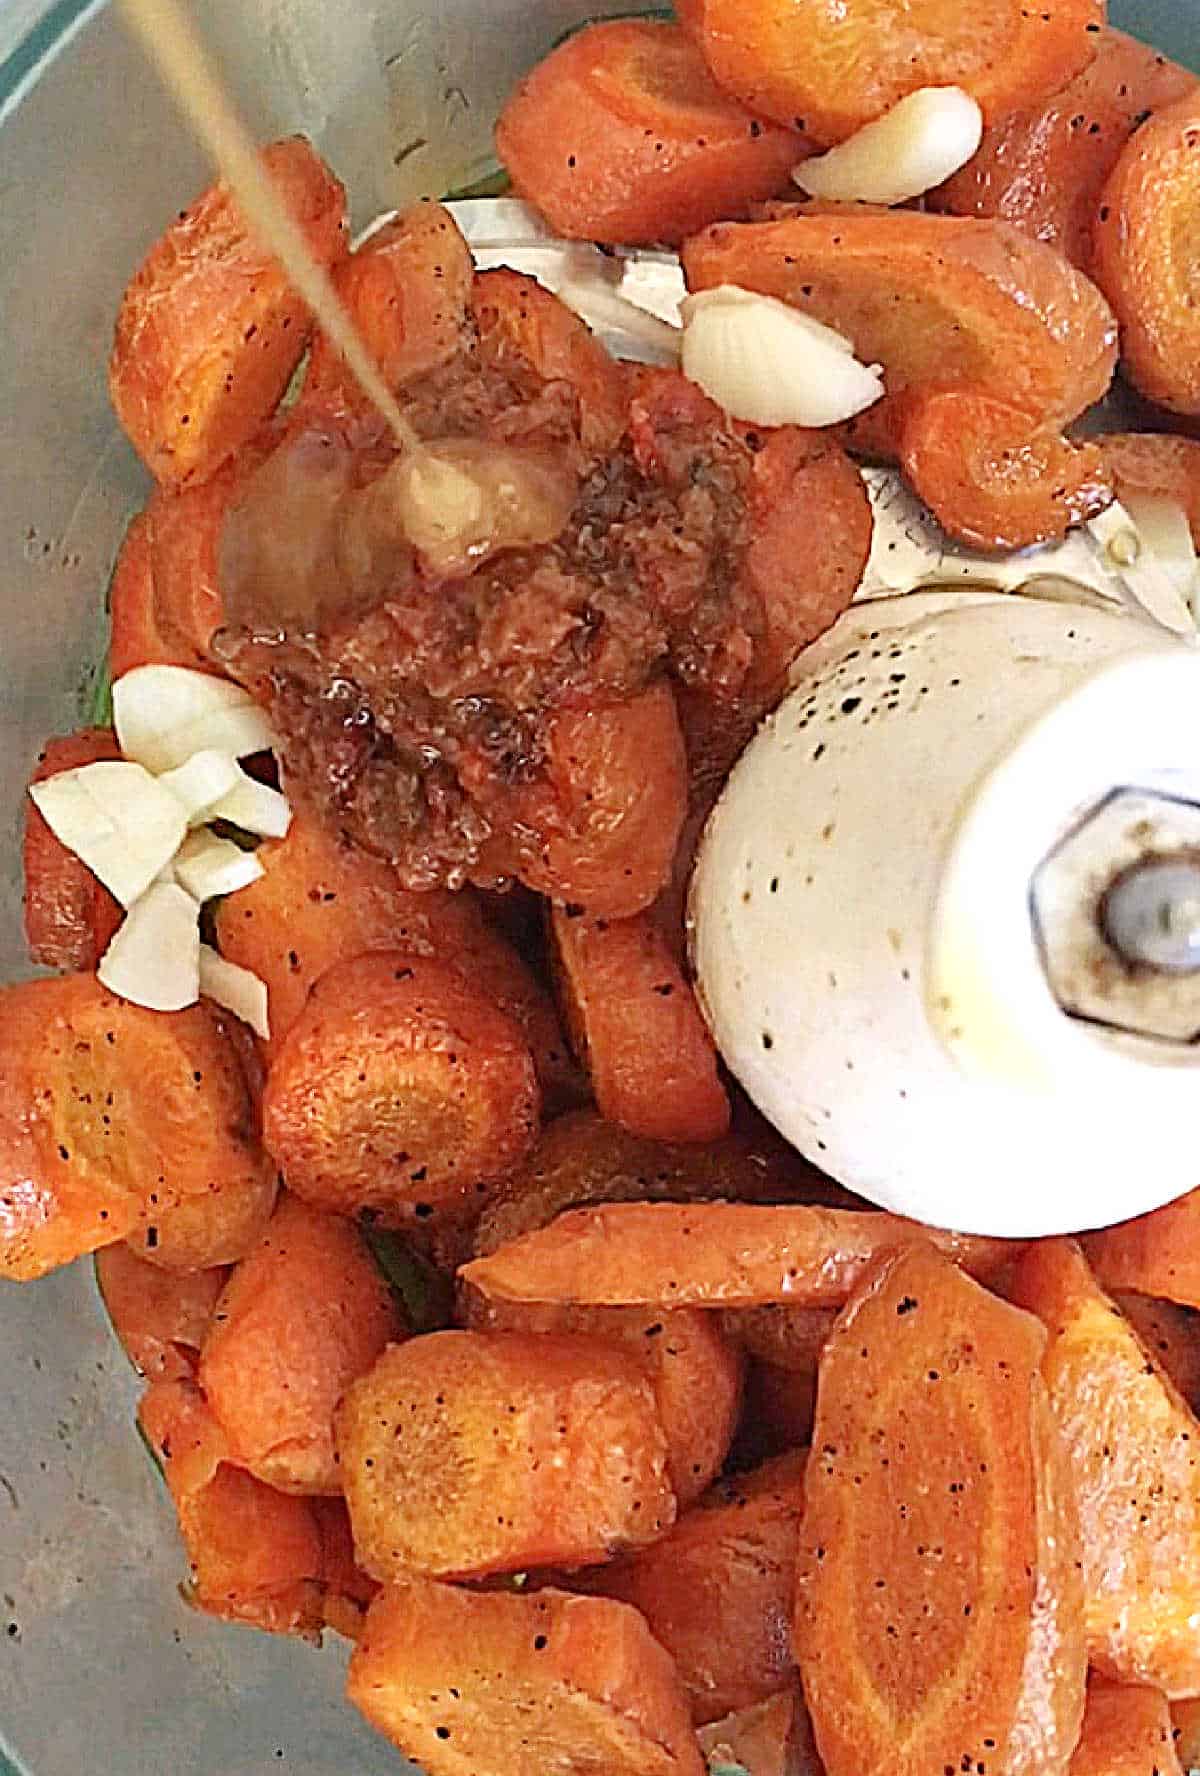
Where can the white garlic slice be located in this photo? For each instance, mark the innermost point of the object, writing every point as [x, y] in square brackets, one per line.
[208, 866]
[116, 819]
[916, 145]
[766, 363]
[255, 807]
[235, 989]
[154, 959]
[165, 714]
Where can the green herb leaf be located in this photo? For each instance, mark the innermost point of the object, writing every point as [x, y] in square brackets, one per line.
[726, 1769]
[492, 182]
[426, 1296]
[97, 697]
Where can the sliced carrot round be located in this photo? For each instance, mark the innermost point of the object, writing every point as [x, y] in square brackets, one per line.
[136, 636]
[216, 1225]
[621, 135]
[161, 1317]
[828, 69]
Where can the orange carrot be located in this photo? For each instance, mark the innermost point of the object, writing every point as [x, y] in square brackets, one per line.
[778, 1406]
[303, 1316]
[1172, 1336]
[110, 1116]
[771, 1738]
[1186, 1719]
[717, 1591]
[469, 1453]
[469, 1681]
[135, 634]
[1133, 1446]
[1127, 1731]
[160, 1317]
[210, 330]
[710, 1255]
[828, 70]
[216, 1225]
[1042, 168]
[937, 300]
[1155, 1254]
[621, 135]
[791, 1338]
[1155, 463]
[400, 1082]
[939, 1616]
[1143, 255]
[990, 479]
[70, 917]
[635, 1024]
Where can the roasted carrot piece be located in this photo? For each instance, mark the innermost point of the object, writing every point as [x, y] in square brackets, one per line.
[256, 1554]
[406, 289]
[1155, 463]
[581, 1159]
[771, 1738]
[1172, 1336]
[635, 1025]
[469, 1453]
[1144, 255]
[159, 1317]
[1185, 1717]
[135, 634]
[696, 1373]
[1134, 1454]
[348, 1590]
[1154, 1254]
[70, 917]
[621, 135]
[778, 1406]
[210, 330]
[939, 1616]
[717, 1591]
[785, 1345]
[789, 1337]
[471, 1681]
[992, 481]
[938, 300]
[1042, 168]
[829, 70]
[710, 1255]
[303, 1316]
[216, 1225]
[400, 1082]
[109, 1117]
[1127, 1731]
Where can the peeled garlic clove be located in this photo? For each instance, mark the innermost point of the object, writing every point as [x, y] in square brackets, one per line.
[116, 819]
[165, 714]
[154, 959]
[255, 807]
[235, 989]
[915, 146]
[766, 363]
[200, 782]
[208, 866]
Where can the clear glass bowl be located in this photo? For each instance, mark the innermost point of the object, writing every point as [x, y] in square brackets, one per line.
[101, 1664]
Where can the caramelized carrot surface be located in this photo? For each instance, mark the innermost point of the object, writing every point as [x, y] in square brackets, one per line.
[635, 1025]
[710, 1255]
[210, 330]
[1134, 1460]
[1127, 1731]
[939, 1619]
[771, 1738]
[70, 917]
[470, 1681]
[469, 1453]
[136, 636]
[110, 1116]
[1156, 1254]
[160, 1317]
[717, 1592]
[830, 69]
[216, 1225]
[400, 1082]
[621, 135]
[303, 1316]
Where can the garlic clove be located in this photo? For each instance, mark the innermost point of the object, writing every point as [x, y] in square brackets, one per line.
[916, 145]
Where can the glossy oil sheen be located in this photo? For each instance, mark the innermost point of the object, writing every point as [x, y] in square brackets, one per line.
[101, 1666]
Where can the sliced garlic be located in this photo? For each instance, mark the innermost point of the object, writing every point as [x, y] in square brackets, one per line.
[768, 364]
[165, 714]
[915, 146]
[201, 782]
[255, 807]
[208, 866]
[1162, 524]
[154, 959]
[235, 989]
[116, 819]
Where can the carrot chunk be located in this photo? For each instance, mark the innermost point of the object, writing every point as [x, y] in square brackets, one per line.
[1155, 1254]
[778, 1408]
[469, 1453]
[1127, 1731]
[470, 1681]
[771, 1738]
[939, 1618]
[621, 135]
[710, 1255]
[256, 1554]
[110, 1116]
[1042, 168]
[1134, 1454]
[635, 1024]
[400, 1082]
[136, 637]
[304, 1315]
[1186, 1720]
[717, 1591]
[830, 69]
[992, 482]
[210, 330]
[70, 917]
[1144, 252]
[1172, 1336]
[160, 1317]
[1155, 463]
[937, 300]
